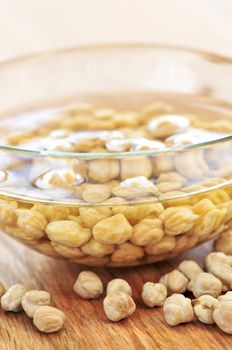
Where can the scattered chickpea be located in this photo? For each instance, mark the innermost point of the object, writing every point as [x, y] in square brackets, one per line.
[203, 308]
[88, 285]
[220, 265]
[33, 299]
[178, 309]
[217, 258]
[175, 281]
[48, 319]
[11, 300]
[205, 283]
[222, 316]
[118, 284]
[118, 305]
[154, 294]
[226, 297]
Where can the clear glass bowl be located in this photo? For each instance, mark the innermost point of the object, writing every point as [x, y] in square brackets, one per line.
[132, 224]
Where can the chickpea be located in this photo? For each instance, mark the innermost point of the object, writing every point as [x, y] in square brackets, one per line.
[96, 193]
[68, 232]
[33, 299]
[217, 258]
[167, 125]
[32, 222]
[135, 188]
[186, 241]
[132, 167]
[177, 220]
[118, 305]
[191, 164]
[132, 144]
[47, 248]
[203, 206]
[113, 230]
[136, 213]
[186, 138]
[145, 144]
[190, 268]
[127, 252]
[166, 244]
[173, 194]
[222, 316]
[224, 242]
[103, 170]
[178, 309]
[67, 252]
[57, 178]
[205, 283]
[208, 223]
[226, 297]
[48, 319]
[95, 248]
[118, 284]
[172, 177]
[147, 232]
[162, 164]
[203, 308]
[11, 300]
[7, 212]
[219, 265]
[88, 285]
[168, 186]
[91, 216]
[52, 212]
[175, 281]
[228, 215]
[219, 197]
[154, 294]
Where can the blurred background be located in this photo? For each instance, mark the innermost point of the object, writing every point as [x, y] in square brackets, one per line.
[36, 25]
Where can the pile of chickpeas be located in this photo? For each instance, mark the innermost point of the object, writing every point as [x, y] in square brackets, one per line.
[117, 211]
[36, 305]
[211, 289]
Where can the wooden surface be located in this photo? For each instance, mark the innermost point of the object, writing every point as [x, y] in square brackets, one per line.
[87, 327]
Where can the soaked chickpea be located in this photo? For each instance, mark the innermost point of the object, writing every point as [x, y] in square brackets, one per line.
[167, 125]
[100, 206]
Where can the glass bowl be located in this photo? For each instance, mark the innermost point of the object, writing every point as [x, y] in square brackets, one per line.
[114, 211]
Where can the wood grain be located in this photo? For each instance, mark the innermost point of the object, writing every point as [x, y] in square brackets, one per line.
[87, 326]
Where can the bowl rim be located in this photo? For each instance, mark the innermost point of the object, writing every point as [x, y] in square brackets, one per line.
[108, 46]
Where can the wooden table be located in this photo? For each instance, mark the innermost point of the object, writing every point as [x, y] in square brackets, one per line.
[87, 327]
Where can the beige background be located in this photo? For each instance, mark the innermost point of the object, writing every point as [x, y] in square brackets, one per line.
[35, 25]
